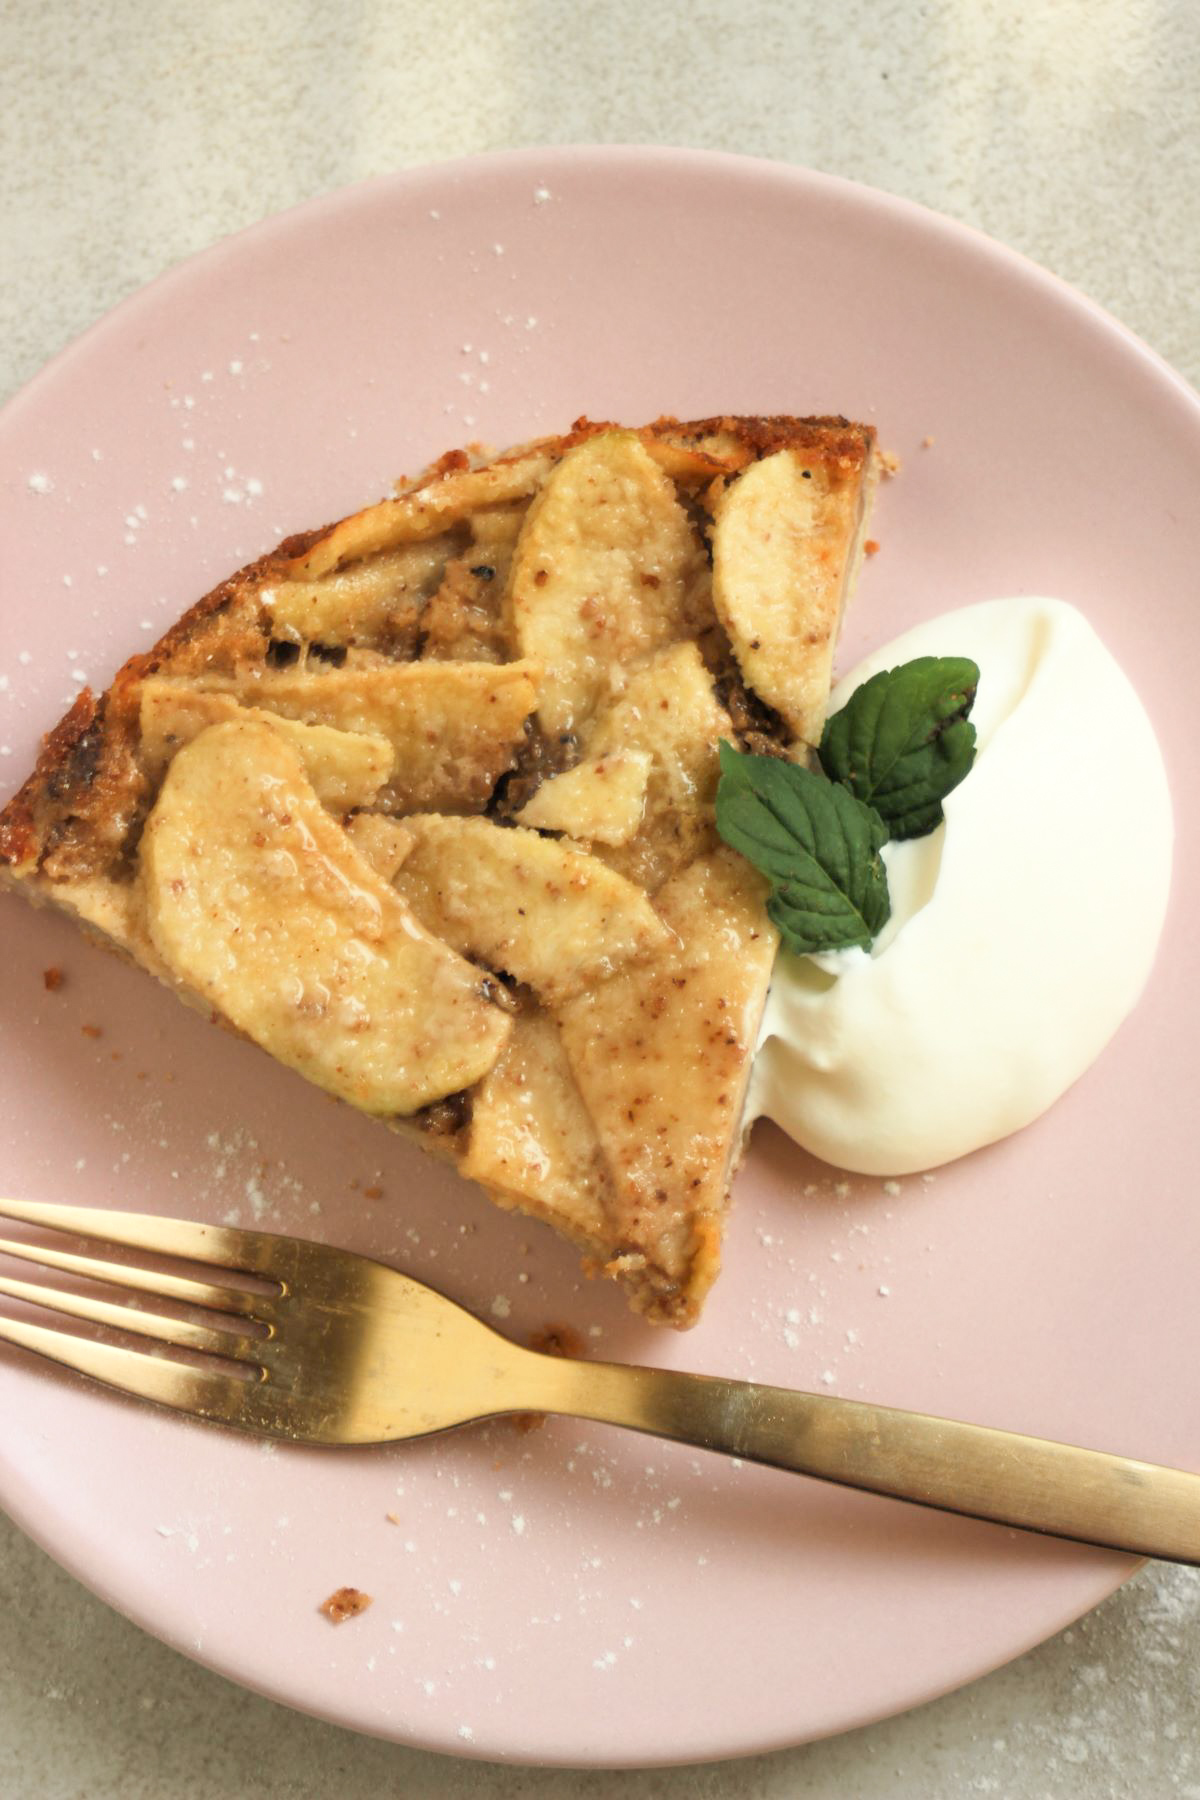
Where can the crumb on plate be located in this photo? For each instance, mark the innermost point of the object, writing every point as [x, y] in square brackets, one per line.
[550, 1340]
[345, 1603]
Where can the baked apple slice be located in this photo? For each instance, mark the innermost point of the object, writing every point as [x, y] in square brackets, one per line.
[669, 713]
[532, 1142]
[787, 542]
[541, 911]
[601, 801]
[602, 573]
[661, 1054]
[455, 727]
[258, 901]
[347, 768]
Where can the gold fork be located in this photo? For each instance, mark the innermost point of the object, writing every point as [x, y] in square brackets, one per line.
[344, 1350]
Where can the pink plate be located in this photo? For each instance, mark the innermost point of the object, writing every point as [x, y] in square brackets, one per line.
[576, 1595]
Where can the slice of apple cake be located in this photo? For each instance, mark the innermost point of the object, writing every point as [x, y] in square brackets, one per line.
[422, 803]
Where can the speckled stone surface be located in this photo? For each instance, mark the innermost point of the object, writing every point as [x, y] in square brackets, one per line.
[137, 134]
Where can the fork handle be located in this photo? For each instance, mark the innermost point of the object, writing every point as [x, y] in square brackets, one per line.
[1029, 1482]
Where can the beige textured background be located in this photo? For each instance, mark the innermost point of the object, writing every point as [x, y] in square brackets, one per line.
[139, 131]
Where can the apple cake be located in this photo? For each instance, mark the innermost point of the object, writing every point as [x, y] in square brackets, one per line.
[422, 804]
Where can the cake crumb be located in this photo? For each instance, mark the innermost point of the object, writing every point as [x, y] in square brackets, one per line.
[549, 1340]
[373, 1193]
[92, 1031]
[557, 1340]
[345, 1603]
[52, 980]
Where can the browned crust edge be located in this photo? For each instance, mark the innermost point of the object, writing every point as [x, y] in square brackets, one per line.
[97, 730]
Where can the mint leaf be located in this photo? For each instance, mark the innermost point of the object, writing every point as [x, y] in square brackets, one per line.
[817, 845]
[902, 740]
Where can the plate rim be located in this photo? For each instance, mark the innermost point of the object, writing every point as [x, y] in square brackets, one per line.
[631, 154]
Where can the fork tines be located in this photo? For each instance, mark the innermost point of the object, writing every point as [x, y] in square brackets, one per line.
[148, 1375]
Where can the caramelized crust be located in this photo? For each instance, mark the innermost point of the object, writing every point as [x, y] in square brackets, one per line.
[78, 814]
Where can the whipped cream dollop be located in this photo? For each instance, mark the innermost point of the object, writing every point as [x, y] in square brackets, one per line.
[1022, 931]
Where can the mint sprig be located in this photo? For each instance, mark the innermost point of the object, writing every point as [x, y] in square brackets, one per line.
[891, 755]
[903, 741]
[817, 845]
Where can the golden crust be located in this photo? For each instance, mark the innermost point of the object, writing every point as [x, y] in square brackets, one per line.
[74, 814]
